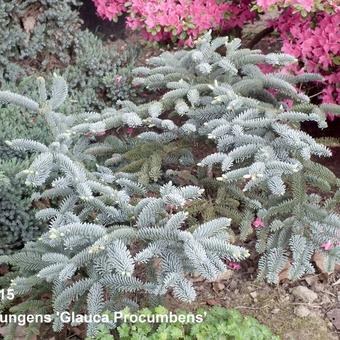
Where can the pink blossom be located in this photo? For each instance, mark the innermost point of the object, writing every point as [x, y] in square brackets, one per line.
[258, 223]
[177, 20]
[110, 9]
[314, 41]
[265, 4]
[118, 79]
[289, 103]
[234, 265]
[327, 246]
[266, 68]
[130, 130]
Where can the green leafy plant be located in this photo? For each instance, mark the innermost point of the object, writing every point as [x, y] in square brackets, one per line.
[103, 333]
[99, 75]
[47, 36]
[38, 32]
[216, 323]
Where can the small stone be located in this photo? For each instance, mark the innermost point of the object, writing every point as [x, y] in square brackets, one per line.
[219, 286]
[318, 287]
[275, 311]
[334, 317]
[311, 279]
[305, 294]
[253, 295]
[325, 299]
[301, 311]
[330, 325]
[225, 276]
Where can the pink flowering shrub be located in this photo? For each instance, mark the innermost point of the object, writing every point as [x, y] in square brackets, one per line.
[180, 21]
[303, 6]
[309, 29]
[110, 10]
[185, 21]
[314, 40]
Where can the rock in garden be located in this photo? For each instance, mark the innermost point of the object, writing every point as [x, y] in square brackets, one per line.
[334, 316]
[275, 311]
[305, 294]
[301, 311]
[253, 295]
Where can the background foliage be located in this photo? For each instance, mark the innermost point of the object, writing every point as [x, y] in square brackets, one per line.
[218, 322]
[39, 38]
[307, 28]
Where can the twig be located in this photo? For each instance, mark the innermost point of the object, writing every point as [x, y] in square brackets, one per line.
[316, 94]
[246, 307]
[259, 36]
[329, 293]
[336, 283]
[305, 304]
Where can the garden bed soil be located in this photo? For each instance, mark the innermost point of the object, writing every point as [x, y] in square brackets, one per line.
[274, 306]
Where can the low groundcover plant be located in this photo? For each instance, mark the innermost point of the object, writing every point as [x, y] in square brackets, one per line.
[216, 323]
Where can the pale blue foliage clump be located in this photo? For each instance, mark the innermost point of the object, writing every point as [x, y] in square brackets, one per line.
[109, 223]
[105, 224]
[226, 99]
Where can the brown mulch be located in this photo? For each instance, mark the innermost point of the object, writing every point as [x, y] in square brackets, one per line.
[274, 305]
